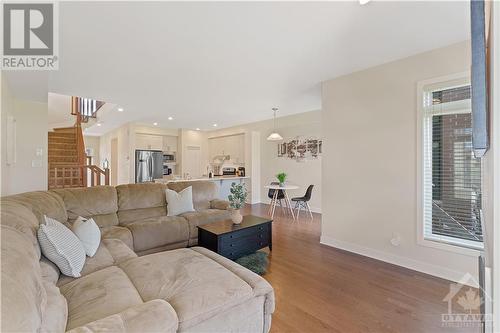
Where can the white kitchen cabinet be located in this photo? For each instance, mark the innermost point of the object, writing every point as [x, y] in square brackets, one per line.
[170, 143]
[149, 141]
[233, 145]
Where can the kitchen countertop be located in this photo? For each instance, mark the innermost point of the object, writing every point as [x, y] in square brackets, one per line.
[221, 178]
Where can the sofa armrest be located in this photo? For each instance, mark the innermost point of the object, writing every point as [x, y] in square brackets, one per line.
[219, 204]
[153, 316]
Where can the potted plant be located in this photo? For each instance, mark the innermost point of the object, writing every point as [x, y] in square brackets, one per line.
[237, 200]
[281, 178]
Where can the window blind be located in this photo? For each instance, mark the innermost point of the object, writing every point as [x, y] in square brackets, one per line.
[452, 175]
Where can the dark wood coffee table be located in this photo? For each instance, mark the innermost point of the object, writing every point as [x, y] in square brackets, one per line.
[233, 241]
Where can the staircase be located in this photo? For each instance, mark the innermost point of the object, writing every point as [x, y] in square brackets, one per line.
[67, 161]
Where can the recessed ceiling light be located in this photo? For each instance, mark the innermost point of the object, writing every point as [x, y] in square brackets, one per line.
[197, 128]
[170, 118]
[155, 123]
[215, 125]
[363, 2]
[120, 109]
[99, 124]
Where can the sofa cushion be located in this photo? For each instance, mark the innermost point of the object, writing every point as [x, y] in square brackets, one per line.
[120, 233]
[197, 287]
[55, 313]
[88, 233]
[220, 204]
[110, 252]
[98, 202]
[105, 292]
[49, 270]
[203, 217]
[21, 218]
[158, 231]
[42, 203]
[204, 191]
[140, 201]
[23, 294]
[179, 202]
[61, 246]
[152, 316]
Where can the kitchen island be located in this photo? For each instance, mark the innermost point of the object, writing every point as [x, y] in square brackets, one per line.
[224, 183]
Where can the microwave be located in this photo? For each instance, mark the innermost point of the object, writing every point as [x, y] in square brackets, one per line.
[168, 158]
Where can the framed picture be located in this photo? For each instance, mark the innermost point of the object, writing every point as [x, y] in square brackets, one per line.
[301, 149]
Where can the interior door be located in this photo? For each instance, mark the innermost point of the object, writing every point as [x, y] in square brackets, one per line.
[192, 161]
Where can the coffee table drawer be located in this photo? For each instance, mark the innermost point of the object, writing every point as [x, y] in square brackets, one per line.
[245, 233]
[243, 247]
[261, 239]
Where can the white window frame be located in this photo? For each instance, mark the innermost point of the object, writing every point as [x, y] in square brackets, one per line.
[444, 242]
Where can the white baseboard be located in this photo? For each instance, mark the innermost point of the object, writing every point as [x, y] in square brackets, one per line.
[313, 209]
[415, 265]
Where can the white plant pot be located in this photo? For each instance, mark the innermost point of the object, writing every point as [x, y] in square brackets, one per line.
[236, 216]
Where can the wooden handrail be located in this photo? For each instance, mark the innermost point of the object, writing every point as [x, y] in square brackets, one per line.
[80, 146]
[74, 176]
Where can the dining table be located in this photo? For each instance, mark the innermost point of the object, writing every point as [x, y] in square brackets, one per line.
[274, 201]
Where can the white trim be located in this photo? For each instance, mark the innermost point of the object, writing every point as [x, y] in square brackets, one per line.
[495, 140]
[422, 86]
[420, 266]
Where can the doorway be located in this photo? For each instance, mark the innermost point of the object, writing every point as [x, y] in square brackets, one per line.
[114, 162]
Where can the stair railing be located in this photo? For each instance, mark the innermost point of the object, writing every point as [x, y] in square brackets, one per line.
[76, 176]
[80, 144]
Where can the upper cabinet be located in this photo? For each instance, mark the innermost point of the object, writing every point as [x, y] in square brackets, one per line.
[233, 145]
[149, 141]
[169, 144]
[166, 143]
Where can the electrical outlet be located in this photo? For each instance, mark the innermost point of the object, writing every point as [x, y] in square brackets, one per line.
[396, 239]
[36, 164]
[39, 152]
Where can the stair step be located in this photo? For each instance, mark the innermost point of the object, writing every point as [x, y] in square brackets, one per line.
[62, 141]
[63, 161]
[62, 153]
[71, 129]
[61, 135]
[59, 145]
[61, 138]
[62, 156]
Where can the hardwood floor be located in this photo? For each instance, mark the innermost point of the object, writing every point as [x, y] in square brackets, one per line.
[322, 289]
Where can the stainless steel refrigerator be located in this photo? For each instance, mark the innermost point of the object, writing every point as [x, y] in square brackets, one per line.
[148, 165]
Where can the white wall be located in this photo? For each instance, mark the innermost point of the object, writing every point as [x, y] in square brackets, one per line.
[59, 111]
[370, 162]
[125, 153]
[303, 174]
[94, 143]
[29, 172]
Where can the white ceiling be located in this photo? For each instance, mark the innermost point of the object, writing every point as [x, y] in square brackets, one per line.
[230, 62]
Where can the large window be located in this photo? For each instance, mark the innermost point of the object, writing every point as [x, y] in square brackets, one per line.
[451, 175]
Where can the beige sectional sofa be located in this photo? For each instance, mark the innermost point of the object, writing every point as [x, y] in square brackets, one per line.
[131, 284]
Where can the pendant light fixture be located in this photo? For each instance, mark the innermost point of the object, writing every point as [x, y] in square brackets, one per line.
[274, 136]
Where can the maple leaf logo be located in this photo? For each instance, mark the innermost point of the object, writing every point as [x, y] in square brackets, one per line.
[470, 301]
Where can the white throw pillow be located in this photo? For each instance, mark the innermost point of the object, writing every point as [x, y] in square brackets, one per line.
[179, 202]
[61, 246]
[89, 234]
